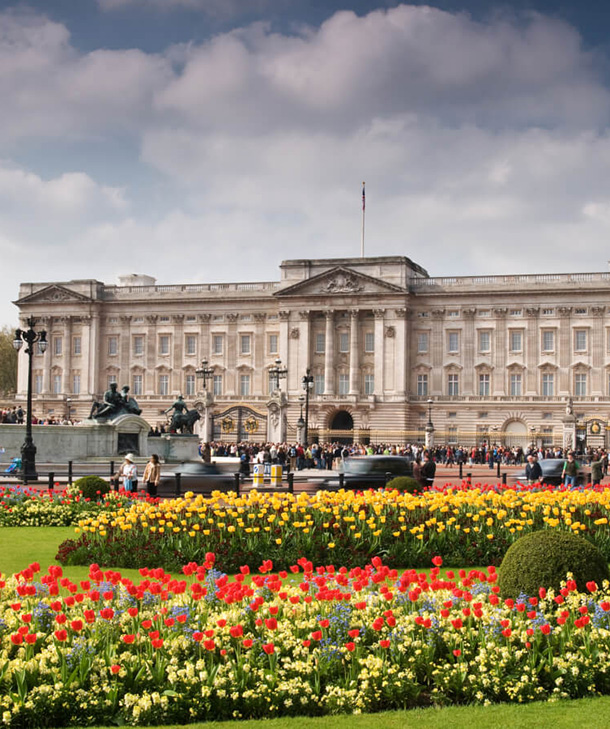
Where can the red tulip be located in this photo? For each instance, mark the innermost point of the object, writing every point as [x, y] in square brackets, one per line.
[115, 669]
[269, 648]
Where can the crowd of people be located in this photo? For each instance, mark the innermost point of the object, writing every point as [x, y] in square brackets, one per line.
[16, 416]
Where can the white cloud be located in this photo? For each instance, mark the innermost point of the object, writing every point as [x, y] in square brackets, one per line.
[484, 147]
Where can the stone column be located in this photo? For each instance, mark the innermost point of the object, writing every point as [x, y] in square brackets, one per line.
[437, 348]
[150, 372]
[94, 349]
[205, 349]
[125, 350]
[400, 365]
[564, 349]
[354, 353]
[379, 350]
[499, 354]
[469, 347]
[285, 354]
[260, 372]
[177, 375]
[329, 356]
[596, 373]
[302, 336]
[67, 335]
[532, 350]
[231, 373]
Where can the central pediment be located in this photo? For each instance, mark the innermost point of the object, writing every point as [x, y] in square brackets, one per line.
[340, 281]
[53, 294]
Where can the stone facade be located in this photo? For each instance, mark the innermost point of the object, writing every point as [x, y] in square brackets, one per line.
[498, 356]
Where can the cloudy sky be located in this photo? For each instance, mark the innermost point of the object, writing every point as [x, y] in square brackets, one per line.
[208, 140]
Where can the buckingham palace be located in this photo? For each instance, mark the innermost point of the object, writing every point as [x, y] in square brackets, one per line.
[387, 352]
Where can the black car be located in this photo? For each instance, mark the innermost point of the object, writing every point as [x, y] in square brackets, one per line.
[552, 469]
[365, 472]
[197, 476]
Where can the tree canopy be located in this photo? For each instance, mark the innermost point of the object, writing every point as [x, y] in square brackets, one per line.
[8, 362]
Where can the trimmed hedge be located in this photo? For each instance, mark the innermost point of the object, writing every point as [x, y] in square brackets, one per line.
[544, 558]
[92, 487]
[404, 483]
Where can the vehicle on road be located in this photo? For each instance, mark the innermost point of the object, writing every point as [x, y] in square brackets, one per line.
[552, 469]
[197, 476]
[365, 472]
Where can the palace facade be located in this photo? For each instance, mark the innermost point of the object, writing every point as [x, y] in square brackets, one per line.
[388, 347]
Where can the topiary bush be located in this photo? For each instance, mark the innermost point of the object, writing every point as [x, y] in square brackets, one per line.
[543, 559]
[92, 487]
[404, 483]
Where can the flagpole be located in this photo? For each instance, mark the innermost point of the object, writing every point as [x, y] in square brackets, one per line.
[362, 234]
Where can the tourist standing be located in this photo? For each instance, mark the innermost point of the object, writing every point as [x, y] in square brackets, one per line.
[152, 475]
[129, 473]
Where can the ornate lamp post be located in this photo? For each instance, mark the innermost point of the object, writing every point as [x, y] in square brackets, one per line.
[300, 421]
[204, 373]
[28, 449]
[277, 373]
[307, 381]
[430, 426]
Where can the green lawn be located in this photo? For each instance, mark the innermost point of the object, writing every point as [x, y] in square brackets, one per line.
[20, 546]
[590, 713]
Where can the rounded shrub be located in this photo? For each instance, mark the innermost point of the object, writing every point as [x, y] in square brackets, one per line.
[544, 558]
[92, 487]
[404, 483]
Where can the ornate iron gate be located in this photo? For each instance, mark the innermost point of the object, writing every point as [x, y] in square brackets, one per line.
[239, 423]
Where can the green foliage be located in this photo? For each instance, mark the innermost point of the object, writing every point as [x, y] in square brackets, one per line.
[404, 483]
[92, 487]
[543, 559]
[8, 362]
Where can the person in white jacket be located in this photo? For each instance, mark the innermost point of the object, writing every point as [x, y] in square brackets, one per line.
[129, 474]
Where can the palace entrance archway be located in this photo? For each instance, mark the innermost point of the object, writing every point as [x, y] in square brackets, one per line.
[342, 427]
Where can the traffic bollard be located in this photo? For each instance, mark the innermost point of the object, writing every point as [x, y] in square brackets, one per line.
[178, 484]
[51, 481]
[290, 482]
[237, 478]
[69, 473]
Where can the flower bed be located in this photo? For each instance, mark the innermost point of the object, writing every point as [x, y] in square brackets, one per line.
[23, 506]
[467, 526]
[310, 641]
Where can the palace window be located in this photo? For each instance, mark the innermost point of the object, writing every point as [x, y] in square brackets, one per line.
[422, 385]
[515, 341]
[453, 342]
[217, 344]
[113, 346]
[320, 343]
[453, 385]
[343, 384]
[422, 342]
[548, 340]
[484, 341]
[138, 345]
[136, 384]
[318, 384]
[76, 346]
[580, 340]
[245, 344]
[515, 384]
[484, 383]
[57, 346]
[76, 384]
[163, 384]
[244, 385]
[273, 348]
[191, 344]
[580, 384]
[343, 342]
[217, 384]
[189, 385]
[369, 342]
[369, 384]
[548, 384]
[164, 344]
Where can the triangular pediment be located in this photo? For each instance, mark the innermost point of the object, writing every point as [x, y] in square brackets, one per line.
[53, 294]
[340, 281]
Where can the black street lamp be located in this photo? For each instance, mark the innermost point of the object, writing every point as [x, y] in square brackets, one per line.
[205, 373]
[307, 381]
[276, 373]
[430, 426]
[28, 449]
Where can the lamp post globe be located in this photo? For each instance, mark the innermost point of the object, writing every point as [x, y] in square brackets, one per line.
[29, 337]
